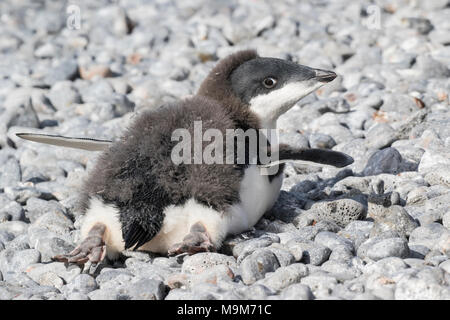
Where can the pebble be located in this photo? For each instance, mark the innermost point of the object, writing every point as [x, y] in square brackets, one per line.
[341, 211]
[309, 252]
[387, 160]
[321, 141]
[285, 276]
[320, 285]
[10, 173]
[63, 95]
[394, 247]
[380, 136]
[297, 291]
[428, 235]
[394, 218]
[412, 288]
[367, 245]
[256, 265]
[332, 240]
[200, 262]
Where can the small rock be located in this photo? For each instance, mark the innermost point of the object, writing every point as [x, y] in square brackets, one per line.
[90, 72]
[380, 136]
[412, 288]
[245, 248]
[309, 252]
[342, 254]
[202, 261]
[321, 141]
[22, 259]
[427, 235]
[10, 173]
[394, 247]
[256, 265]
[284, 257]
[297, 291]
[357, 231]
[36, 208]
[332, 240]
[285, 276]
[16, 228]
[393, 218]
[341, 211]
[82, 283]
[66, 69]
[445, 266]
[320, 284]
[446, 220]
[144, 289]
[384, 161]
[63, 95]
[340, 270]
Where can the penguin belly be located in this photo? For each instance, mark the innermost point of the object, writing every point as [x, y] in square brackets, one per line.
[257, 194]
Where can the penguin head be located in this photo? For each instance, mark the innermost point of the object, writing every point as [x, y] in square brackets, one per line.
[271, 86]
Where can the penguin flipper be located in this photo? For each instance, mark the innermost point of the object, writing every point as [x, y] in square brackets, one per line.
[143, 222]
[136, 236]
[89, 144]
[287, 153]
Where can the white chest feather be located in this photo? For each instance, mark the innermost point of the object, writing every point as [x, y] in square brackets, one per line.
[258, 195]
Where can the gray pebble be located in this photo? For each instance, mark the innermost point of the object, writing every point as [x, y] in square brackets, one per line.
[243, 249]
[10, 173]
[380, 136]
[256, 265]
[309, 252]
[320, 285]
[63, 95]
[285, 276]
[82, 283]
[144, 289]
[341, 253]
[445, 266]
[283, 255]
[297, 291]
[412, 288]
[37, 207]
[393, 218]
[418, 251]
[384, 161]
[332, 240]
[394, 247]
[341, 211]
[321, 141]
[427, 235]
[202, 261]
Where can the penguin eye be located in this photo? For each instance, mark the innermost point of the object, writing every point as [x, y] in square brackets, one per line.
[269, 82]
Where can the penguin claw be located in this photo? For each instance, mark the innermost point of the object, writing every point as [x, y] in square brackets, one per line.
[197, 240]
[92, 248]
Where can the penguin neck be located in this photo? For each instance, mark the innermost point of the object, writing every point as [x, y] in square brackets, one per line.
[237, 110]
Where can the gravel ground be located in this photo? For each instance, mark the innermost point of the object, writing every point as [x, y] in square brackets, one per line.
[378, 229]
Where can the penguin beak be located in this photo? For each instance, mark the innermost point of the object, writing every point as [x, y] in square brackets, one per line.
[324, 75]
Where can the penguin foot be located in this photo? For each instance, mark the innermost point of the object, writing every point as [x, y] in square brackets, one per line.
[197, 240]
[92, 248]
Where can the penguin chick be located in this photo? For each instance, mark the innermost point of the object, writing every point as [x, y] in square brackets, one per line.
[137, 197]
